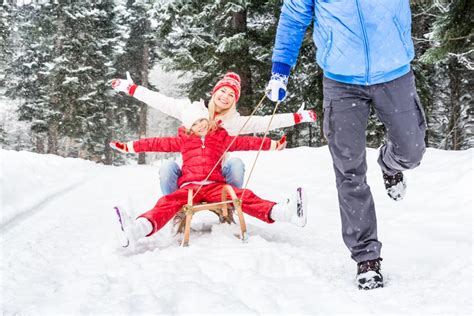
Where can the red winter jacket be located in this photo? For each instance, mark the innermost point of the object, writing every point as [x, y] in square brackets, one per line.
[200, 155]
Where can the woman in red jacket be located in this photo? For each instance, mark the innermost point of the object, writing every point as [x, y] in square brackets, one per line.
[201, 148]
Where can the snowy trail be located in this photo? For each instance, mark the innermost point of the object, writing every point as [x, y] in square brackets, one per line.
[26, 213]
[63, 257]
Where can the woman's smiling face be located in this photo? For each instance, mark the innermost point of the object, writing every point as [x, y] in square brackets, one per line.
[224, 98]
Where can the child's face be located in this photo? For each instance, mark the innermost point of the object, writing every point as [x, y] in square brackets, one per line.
[200, 127]
[224, 98]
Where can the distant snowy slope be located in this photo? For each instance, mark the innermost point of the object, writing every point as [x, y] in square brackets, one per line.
[59, 253]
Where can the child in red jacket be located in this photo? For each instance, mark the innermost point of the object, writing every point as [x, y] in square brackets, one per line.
[201, 148]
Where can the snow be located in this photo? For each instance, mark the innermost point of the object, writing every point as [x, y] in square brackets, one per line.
[60, 255]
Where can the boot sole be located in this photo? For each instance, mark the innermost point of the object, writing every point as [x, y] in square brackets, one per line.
[369, 281]
[302, 205]
[125, 242]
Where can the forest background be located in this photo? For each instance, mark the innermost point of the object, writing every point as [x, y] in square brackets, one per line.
[57, 59]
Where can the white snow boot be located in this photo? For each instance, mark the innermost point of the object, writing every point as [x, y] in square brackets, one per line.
[395, 185]
[132, 229]
[294, 211]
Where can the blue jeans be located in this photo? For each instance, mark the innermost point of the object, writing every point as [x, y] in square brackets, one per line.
[233, 171]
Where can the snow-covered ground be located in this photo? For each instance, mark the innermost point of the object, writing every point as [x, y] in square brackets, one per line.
[59, 253]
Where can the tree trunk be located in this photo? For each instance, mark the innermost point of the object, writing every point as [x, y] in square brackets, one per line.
[39, 144]
[108, 150]
[142, 126]
[245, 89]
[53, 137]
[454, 87]
[239, 25]
[53, 124]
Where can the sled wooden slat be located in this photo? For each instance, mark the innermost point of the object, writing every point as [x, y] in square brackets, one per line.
[221, 209]
[206, 206]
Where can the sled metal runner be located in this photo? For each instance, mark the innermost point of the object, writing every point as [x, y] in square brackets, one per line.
[221, 209]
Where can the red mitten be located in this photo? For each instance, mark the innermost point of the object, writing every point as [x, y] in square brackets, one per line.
[281, 143]
[124, 148]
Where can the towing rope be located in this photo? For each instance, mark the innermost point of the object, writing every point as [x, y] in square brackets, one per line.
[260, 149]
[232, 142]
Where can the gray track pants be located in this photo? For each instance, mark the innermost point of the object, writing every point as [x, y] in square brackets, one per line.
[346, 112]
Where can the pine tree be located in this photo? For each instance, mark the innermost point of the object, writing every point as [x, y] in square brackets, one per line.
[75, 96]
[65, 54]
[69, 76]
[138, 58]
[424, 73]
[452, 33]
[208, 38]
[25, 73]
[124, 112]
[105, 47]
[453, 53]
[5, 54]
[6, 21]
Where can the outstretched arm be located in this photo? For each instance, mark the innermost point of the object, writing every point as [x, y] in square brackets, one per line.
[259, 124]
[156, 144]
[170, 106]
[243, 143]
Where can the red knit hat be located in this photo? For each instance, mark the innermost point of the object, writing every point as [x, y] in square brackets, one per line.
[231, 80]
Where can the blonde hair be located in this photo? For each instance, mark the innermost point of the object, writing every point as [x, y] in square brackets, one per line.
[212, 111]
[211, 127]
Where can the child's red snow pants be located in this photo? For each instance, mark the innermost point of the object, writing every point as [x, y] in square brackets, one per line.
[168, 205]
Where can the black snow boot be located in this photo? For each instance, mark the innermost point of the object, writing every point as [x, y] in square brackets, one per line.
[368, 274]
[395, 185]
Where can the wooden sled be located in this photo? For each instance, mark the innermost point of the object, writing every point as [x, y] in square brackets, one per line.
[221, 209]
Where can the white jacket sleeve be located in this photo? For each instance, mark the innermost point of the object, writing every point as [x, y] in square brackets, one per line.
[168, 105]
[257, 124]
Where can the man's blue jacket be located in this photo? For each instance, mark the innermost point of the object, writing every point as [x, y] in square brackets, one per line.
[361, 42]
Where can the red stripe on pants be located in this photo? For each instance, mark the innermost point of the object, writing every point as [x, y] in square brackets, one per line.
[168, 205]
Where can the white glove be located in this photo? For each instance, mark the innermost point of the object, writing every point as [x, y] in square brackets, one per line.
[276, 88]
[124, 85]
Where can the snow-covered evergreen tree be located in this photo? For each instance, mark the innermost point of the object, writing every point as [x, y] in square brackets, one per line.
[208, 38]
[57, 57]
[139, 57]
[26, 69]
[6, 21]
[65, 55]
[72, 77]
[205, 38]
[87, 41]
[452, 50]
[5, 31]
[104, 47]
[452, 33]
